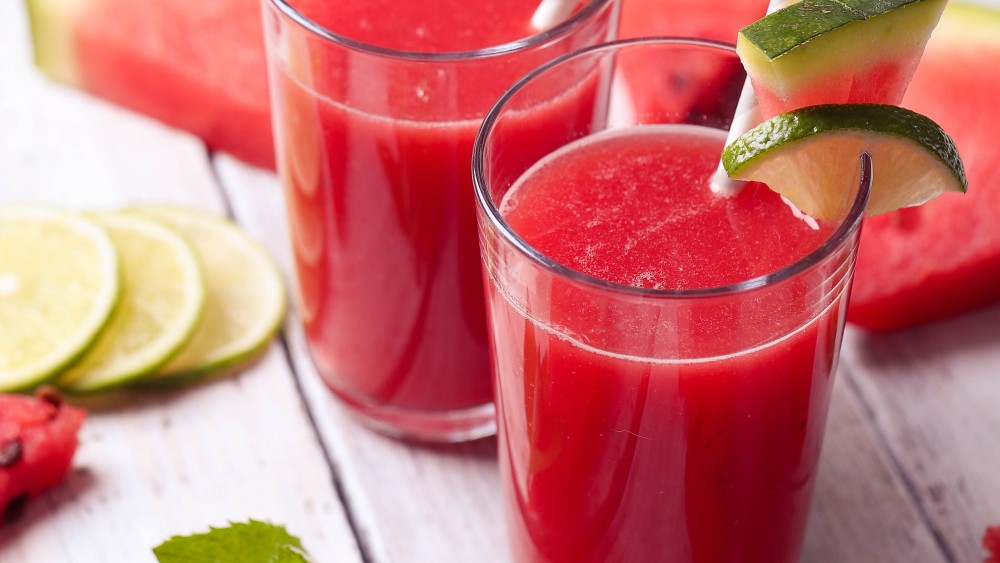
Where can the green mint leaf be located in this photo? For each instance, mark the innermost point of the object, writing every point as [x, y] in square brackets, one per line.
[250, 542]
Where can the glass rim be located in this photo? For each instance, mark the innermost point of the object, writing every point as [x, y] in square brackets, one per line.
[849, 224]
[540, 38]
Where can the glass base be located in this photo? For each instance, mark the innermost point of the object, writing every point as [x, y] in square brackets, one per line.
[421, 425]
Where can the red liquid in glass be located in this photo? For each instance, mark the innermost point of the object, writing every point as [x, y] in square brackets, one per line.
[381, 208]
[608, 457]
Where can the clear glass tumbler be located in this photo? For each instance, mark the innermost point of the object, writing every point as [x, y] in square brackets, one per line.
[373, 149]
[677, 421]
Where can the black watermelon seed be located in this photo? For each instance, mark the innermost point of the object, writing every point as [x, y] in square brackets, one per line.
[15, 508]
[10, 452]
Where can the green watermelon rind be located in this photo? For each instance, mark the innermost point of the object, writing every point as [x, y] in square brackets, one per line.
[52, 25]
[794, 47]
[807, 20]
[969, 25]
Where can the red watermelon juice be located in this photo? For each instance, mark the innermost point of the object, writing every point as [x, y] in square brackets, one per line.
[376, 104]
[664, 355]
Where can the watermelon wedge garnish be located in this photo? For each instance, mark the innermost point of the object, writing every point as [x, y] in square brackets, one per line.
[38, 437]
[836, 51]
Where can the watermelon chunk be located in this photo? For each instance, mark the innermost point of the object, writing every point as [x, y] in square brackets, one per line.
[991, 541]
[943, 258]
[37, 443]
[198, 66]
[836, 51]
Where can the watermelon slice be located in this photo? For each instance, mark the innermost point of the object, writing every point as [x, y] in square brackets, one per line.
[37, 443]
[931, 262]
[198, 66]
[836, 51]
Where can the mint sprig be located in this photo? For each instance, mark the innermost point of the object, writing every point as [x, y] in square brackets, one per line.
[249, 542]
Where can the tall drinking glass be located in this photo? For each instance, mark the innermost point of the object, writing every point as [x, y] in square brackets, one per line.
[376, 104]
[664, 356]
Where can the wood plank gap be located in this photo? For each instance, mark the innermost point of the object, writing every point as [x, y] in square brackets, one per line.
[338, 485]
[908, 485]
[227, 206]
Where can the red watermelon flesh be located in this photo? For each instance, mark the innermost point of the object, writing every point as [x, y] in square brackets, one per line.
[690, 84]
[883, 82]
[943, 258]
[37, 443]
[705, 19]
[196, 65]
[991, 541]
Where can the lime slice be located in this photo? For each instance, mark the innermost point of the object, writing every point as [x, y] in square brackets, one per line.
[246, 296]
[59, 282]
[810, 156]
[161, 302]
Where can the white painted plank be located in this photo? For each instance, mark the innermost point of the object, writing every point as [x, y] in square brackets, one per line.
[861, 511]
[154, 464]
[935, 393]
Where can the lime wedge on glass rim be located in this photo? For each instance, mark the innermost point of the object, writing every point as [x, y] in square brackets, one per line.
[810, 156]
[59, 282]
[159, 307]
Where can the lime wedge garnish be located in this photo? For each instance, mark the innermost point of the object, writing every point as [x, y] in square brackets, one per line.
[160, 304]
[246, 295]
[59, 282]
[810, 156]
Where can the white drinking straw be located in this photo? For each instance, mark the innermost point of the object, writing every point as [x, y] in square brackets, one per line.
[747, 115]
[551, 13]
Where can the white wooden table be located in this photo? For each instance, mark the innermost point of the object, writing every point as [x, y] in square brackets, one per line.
[910, 471]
